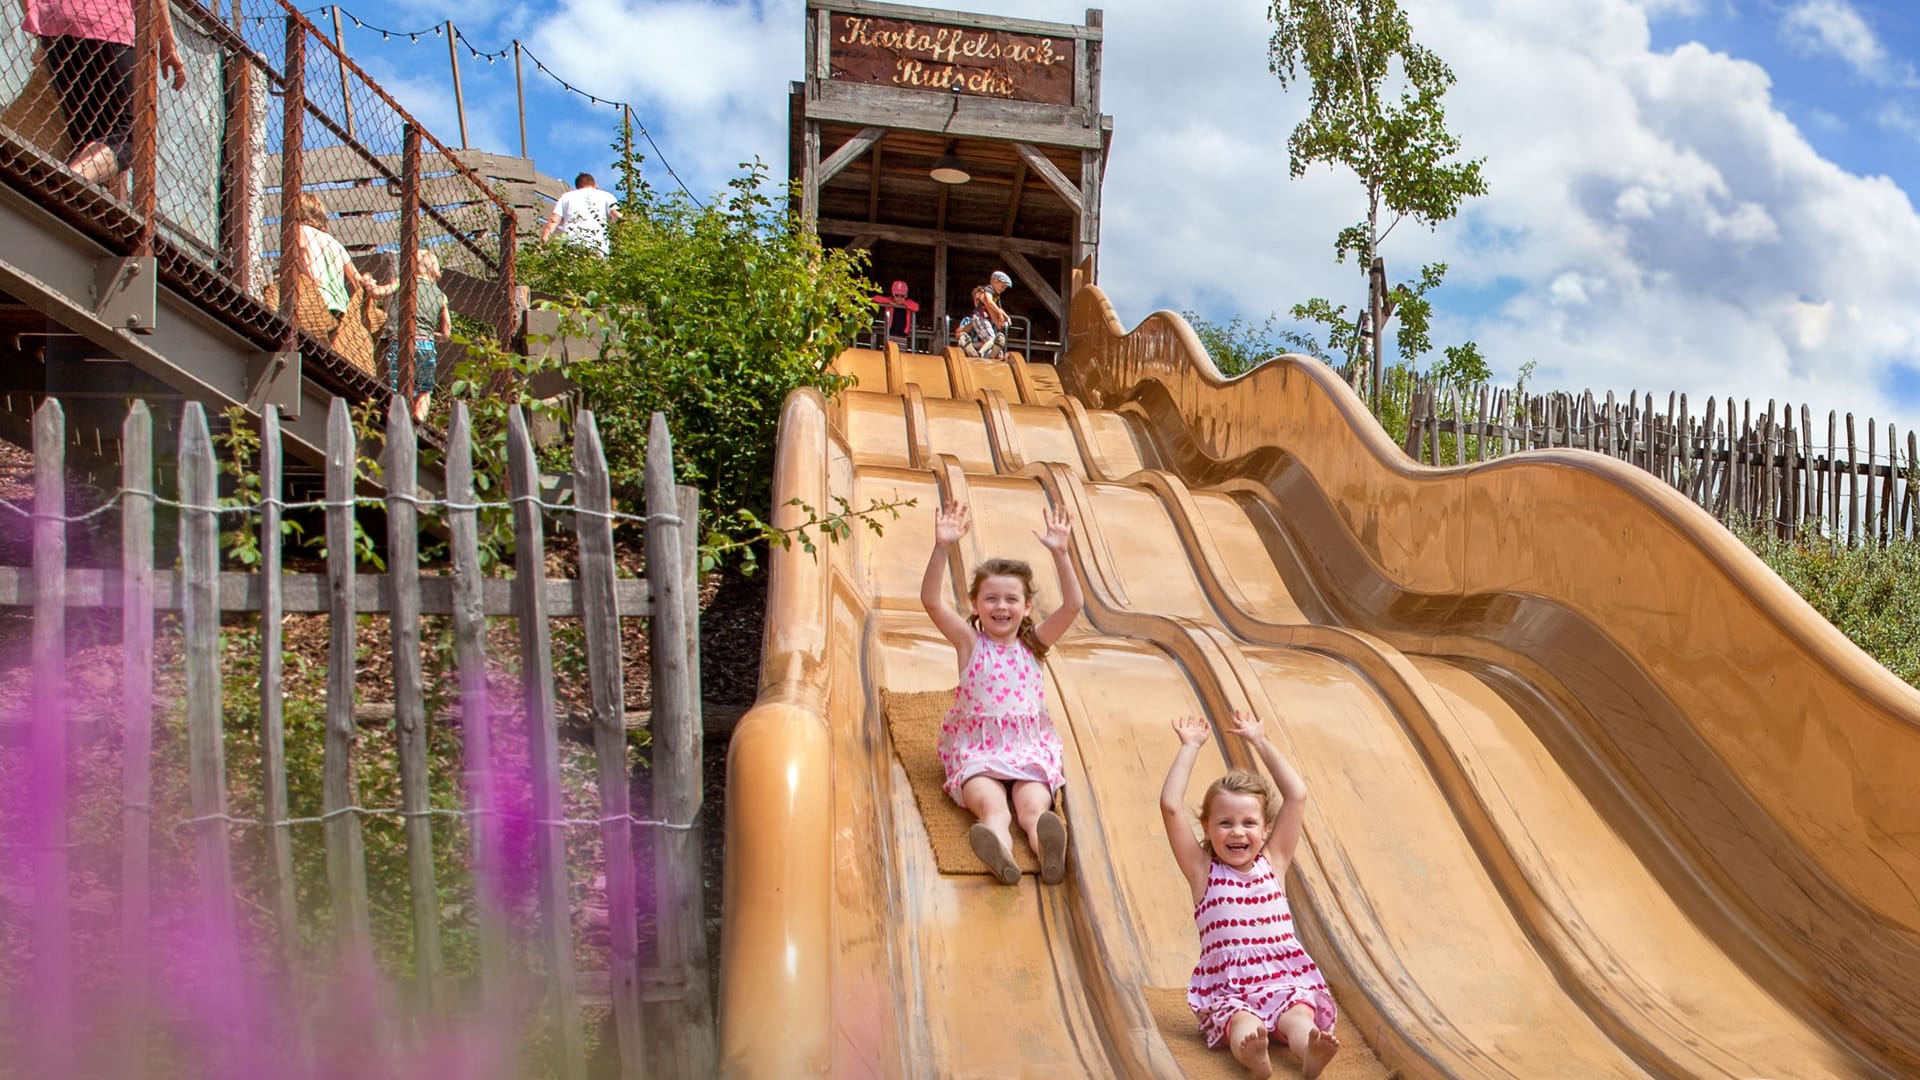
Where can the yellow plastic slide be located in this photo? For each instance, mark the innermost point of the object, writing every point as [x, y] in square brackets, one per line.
[1594, 794]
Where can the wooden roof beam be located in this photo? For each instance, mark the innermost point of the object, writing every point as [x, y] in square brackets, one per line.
[1025, 271]
[905, 234]
[1013, 202]
[1051, 173]
[848, 153]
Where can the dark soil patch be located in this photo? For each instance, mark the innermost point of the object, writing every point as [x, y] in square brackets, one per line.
[730, 637]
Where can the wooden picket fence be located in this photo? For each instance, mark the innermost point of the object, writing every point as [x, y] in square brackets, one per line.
[662, 1016]
[1763, 470]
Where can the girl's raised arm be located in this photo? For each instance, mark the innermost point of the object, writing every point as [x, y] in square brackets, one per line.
[1285, 835]
[1059, 539]
[950, 523]
[1193, 859]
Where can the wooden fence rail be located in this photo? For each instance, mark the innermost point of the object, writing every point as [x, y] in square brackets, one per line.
[662, 1019]
[1761, 470]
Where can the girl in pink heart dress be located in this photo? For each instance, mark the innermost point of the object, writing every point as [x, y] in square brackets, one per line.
[1001, 753]
[1254, 979]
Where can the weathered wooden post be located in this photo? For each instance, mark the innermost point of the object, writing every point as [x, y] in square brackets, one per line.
[600, 618]
[476, 723]
[682, 1025]
[409, 706]
[47, 835]
[346, 857]
[543, 753]
[200, 627]
[136, 750]
[273, 728]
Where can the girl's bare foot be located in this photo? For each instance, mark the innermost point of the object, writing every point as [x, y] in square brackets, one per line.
[993, 851]
[1321, 1046]
[1247, 1037]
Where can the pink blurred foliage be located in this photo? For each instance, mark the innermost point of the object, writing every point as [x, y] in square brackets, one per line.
[219, 1000]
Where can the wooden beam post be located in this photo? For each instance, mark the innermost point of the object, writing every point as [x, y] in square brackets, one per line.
[520, 96]
[940, 311]
[810, 176]
[682, 1027]
[459, 98]
[1013, 200]
[1068, 191]
[1025, 271]
[1091, 163]
[847, 154]
[346, 81]
[918, 237]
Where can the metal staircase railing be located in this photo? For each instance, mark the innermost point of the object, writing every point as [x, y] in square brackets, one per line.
[270, 109]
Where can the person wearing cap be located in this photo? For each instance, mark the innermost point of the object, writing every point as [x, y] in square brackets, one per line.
[984, 333]
[900, 312]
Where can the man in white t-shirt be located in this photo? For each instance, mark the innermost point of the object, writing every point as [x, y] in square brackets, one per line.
[583, 215]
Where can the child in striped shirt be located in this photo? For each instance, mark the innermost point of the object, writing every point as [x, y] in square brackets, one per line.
[1253, 977]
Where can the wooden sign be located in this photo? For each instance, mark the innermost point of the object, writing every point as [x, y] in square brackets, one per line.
[929, 56]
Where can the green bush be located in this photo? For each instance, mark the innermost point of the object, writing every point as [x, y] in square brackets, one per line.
[1871, 593]
[712, 314]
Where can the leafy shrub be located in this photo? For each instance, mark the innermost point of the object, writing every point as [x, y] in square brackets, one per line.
[712, 314]
[1871, 593]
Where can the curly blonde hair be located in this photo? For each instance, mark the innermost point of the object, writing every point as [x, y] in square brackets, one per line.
[309, 210]
[1244, 782]
[1012, 568]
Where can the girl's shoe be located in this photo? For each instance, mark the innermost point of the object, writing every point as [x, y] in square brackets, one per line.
[993, 851]
[1053, 848]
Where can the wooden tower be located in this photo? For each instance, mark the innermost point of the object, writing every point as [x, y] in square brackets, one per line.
[1010, 105]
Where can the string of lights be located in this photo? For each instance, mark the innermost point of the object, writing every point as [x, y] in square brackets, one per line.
[412, 36]
[262, 20]
[625, 109]
[478, 54]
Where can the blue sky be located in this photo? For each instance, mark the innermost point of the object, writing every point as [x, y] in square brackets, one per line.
[1693, 195]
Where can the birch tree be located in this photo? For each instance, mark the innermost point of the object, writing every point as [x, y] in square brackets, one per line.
[1374, 108]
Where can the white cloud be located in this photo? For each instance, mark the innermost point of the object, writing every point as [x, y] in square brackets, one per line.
[1896, 117]
[1676, 229]
[717, 72]
[1835, 28]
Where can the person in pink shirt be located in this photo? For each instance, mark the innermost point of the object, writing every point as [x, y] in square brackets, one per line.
[900, 311]
[998, 745]
[89, 49]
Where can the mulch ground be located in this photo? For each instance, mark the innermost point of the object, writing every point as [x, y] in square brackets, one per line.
[730, 635]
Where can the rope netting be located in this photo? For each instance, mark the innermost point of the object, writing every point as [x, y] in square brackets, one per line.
[177, 118]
